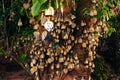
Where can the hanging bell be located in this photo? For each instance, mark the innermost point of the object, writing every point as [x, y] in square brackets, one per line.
[83, 23]
[94, 1]
[63, 26]
[49, 11]
[20, 23]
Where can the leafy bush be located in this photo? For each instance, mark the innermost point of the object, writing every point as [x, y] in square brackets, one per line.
[102, 70]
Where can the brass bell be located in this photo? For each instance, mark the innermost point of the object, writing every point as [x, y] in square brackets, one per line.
[91, 29]
[76, 41]
[93, 65]
[80, 40]
[83, 23]
[71, 60]
[32, 21]
[73, 17]
[57, 65]
[65, 36]
[69, 47]
[93, 20]
[20, 23]
[69, 41]
[84, 45]
[97, 29]
[41, 67]
[42, 56]
[73, 25]
[94, 1]
[76, 57]
[49, 60]
[65, 71]
[63, 26]
[48, 53]
[90, 54]
[34, 69]
[85, 31]
[65, 63]
[50, 45]
[65, 52]
[86, 61]
[90, 64]
[57, 72]
[31, 64]
[58, 31]
[62, 51]
[100, 23]
[70, 22]
[105, 29]
[72, 38]
[66, 19]
[87, 67]
[54, 34]
[70, 66]
[52, 66]
[58, 24]
[61, 59]
[33, 61]
[37, 26]
[95, 12]
[86, 35]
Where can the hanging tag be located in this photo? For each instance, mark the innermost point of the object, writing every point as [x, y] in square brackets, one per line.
[43, 20]
[49, 11]
[44, 34]
[48, 25]
[36, 34]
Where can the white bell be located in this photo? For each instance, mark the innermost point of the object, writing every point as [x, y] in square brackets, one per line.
[49, 11]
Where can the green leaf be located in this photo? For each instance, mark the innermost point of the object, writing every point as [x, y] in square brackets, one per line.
[34, 1]
[21, 11]
[85, 11]
[110, 31]
[100, 14]
[1, 54]
[36, 8]
[53, 4]
[23, 57]
[42, 1]
[44, 5]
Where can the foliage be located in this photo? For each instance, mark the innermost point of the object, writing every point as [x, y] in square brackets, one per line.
[85, 11]
[23, 57]
[106, 11]
[115, 23]
[102, 70]
[21, 9]
[105, 8]
[39, 5]
[2, 52]
[110, 31]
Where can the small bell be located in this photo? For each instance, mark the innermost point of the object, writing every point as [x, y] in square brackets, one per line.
[49, 11]
[20, 23]
[65, 71]
[63, 26]
[65, 36]
[94, 1]
[84, 45]
[83, 23]
[26, 5]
